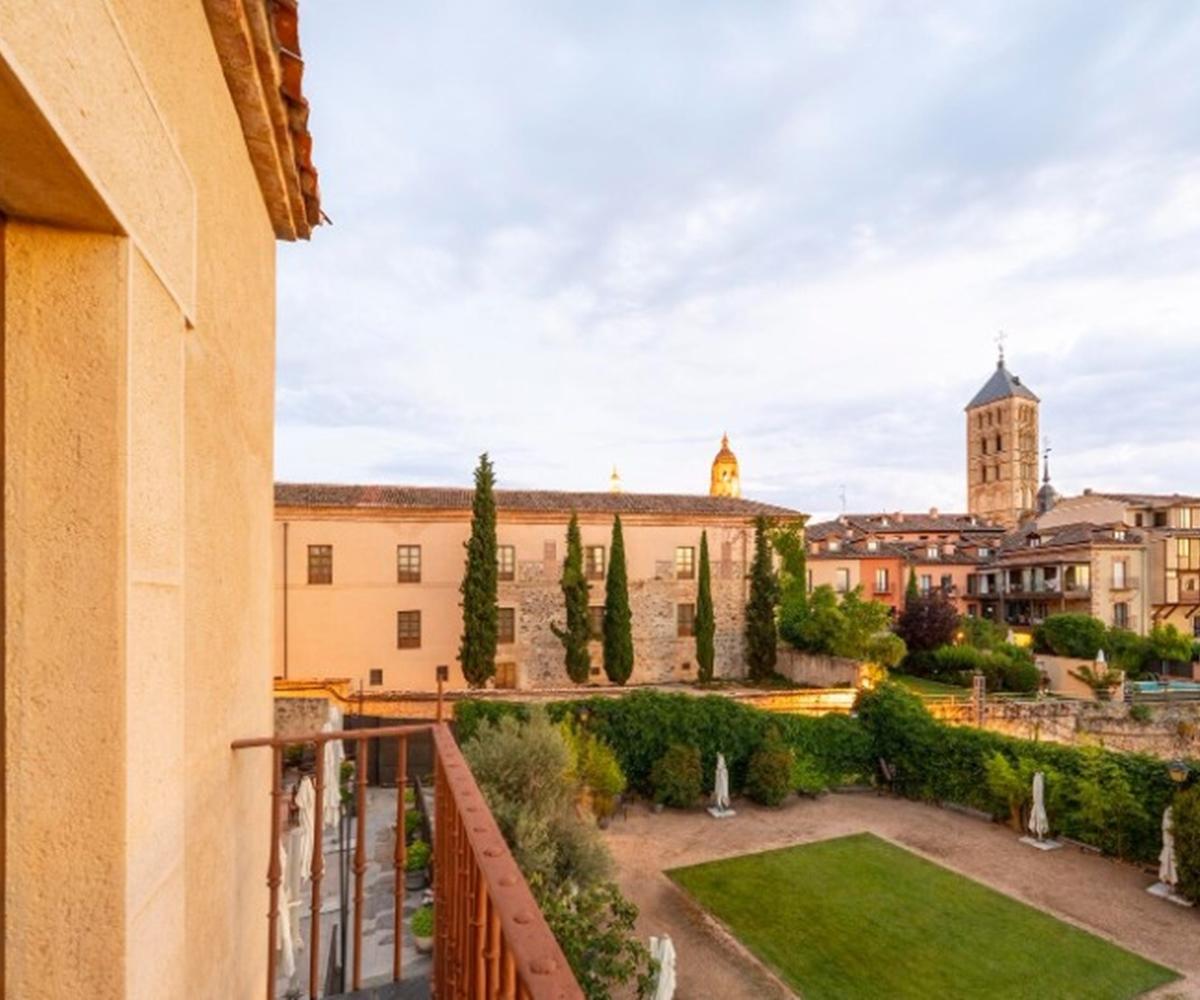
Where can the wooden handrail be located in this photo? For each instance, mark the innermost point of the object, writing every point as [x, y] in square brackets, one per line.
[383, 732]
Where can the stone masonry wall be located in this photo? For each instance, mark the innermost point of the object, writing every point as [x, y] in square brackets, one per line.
[660, 655]
[1172, 730]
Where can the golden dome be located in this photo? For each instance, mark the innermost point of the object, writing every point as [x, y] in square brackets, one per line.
[726, 481]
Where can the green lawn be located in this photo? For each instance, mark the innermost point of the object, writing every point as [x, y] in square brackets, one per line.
[859, 917]
[922, 685]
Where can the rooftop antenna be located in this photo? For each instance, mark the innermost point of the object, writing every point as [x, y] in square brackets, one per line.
[1001, 337]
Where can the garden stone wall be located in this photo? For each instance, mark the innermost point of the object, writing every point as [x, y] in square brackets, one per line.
[818, 670]
[1171, 730]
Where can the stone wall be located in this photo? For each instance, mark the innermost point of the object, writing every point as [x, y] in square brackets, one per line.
[817, 670]
[1172, 730]
[300, 716]
[660, 654]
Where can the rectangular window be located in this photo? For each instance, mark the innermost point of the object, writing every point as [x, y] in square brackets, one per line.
[1119, 574]
[1196, 626]
[1121, 614]
[685, 562]
[1160, 519]
[320, 564]
[931, 551]
[506, 562]
[376, 677]
[685, 619]
[507, 631]
[408, 629]
[1185, 517]
[926, 583]
[881, 581]
[596, 621]
[593, 562]
[408, 564]
[947, 583]
[842, 581]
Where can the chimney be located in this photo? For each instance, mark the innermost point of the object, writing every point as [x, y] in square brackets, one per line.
[898, 517]
[933, 512]
[1087, 492]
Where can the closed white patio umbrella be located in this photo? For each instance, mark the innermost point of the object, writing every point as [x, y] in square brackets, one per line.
[306, 803]
[1039, 823]
[334, 755]
[285, 937]
[662, 950]
[1167, 874]
[720, 788]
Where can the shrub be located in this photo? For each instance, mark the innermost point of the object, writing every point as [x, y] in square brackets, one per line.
[528, 773]
[982, 633]
[595, 767]
[1017, 670]
[1077, 635]
[769, 776]
[1107, 810]
[1185, 824]
[676, 777]
[807, 777]
[927, 621]
[1140, 714]
[417, 857]
[421, 921]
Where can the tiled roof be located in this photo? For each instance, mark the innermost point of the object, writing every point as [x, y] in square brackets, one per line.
[1001, 385]
[1148, 499]
[901, 522]
[547, 501]
[258, 44]
[909, 552]
[1079, 533]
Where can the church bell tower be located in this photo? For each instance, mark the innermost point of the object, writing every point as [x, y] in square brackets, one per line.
[725, 480]
[1002, 449]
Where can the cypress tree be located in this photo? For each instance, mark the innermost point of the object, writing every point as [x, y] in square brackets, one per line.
[575, 596]
[761, 637]
[912, 592]
[477, 651]
[706, 625]
[618, 619]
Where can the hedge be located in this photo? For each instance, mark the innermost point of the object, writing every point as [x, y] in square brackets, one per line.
[642, 725]
[940, 763]
[933, 762]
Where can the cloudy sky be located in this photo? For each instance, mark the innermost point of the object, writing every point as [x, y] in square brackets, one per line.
[583, 234]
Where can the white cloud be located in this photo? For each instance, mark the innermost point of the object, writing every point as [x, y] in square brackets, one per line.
[609, 235]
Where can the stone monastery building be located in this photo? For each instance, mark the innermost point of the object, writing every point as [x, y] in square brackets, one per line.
[367, 578]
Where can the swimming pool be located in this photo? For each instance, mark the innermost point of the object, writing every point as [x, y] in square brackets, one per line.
[1175, 687]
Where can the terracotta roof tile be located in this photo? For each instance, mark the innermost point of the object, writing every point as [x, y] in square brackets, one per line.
[547, 501]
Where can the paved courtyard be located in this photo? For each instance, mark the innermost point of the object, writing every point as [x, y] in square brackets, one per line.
[378, 907]
[1099, 895]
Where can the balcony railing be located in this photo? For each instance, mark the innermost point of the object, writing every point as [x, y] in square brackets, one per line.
[490, 938]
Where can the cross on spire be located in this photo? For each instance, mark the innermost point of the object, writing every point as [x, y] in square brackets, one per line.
[1001, 337]
[1046, 459]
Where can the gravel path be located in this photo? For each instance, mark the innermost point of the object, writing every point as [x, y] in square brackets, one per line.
[1106, 898]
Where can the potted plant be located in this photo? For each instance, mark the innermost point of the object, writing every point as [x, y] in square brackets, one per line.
[415, 864]
[421, 925]
[412, 825]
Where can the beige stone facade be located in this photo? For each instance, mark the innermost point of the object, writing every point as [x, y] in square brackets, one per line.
[395, 565]
[137, 313]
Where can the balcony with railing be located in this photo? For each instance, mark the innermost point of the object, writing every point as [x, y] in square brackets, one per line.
[489, 937]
